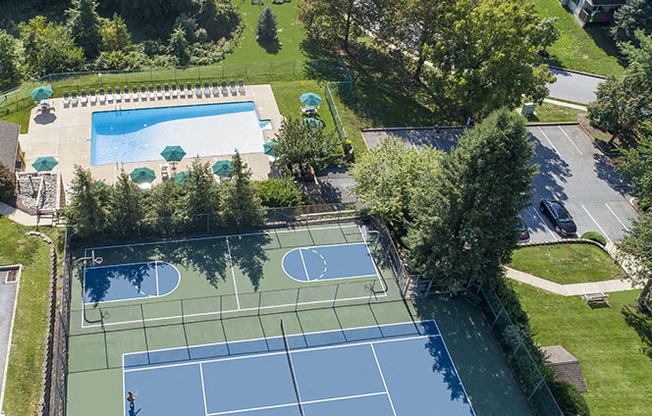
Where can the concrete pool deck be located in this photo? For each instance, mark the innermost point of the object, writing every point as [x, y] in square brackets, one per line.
[65, 133]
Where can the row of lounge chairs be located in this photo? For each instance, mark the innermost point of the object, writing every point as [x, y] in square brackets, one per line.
[168, 91]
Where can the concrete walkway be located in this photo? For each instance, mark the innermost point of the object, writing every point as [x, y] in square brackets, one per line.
[17, 215]
[571, 289]
[564, 104]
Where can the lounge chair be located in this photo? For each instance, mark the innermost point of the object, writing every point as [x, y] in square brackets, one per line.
[216, 89]
[118, 94]
[159, 92]
[166, 87]
[125, 92]
[207, 89]
[66, 99]
[174, 90]
[198, 91]
[152, 94]
[241, 87]
[225, 89]
[73, 98]
[83, 99]
[101, 96]
[134, 93]
[109, 95]
[165, 172]
[234, 90]
[92, 96]
[189, 89]
[143, 93]
[182, 91]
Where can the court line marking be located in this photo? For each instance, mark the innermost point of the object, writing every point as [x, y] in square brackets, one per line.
[596, 223]
[549, 141]
[124, 387]
[277, 406]
[614, 214]
[303, 262]
[281, 352]
[203, 387]
[545, 224]
[572, 142]
[301, 335]
[156, 271]
[323, 260]
[382, 377]
[235, 285]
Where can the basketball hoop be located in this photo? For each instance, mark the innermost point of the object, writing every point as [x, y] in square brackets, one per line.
[98, 260]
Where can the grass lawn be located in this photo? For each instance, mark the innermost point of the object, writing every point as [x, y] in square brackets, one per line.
[589, 50]
[290, 34]
[548, 113]
[567, 263]
[616, 372]
[23, 387]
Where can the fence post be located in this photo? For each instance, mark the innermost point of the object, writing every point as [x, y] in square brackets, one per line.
[296, 302]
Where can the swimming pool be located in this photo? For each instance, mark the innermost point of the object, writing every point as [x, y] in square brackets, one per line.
[201, 130]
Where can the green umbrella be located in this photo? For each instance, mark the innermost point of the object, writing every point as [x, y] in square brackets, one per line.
[270, 148]
[41, 93]
[313, 122]
[223, 168]
[44, 164]
[173, 153]
[310, 99]
[182, 177]
[142, 175]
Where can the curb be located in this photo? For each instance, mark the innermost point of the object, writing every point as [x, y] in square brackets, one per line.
[554, 123]
[573, 71]
[375, 129]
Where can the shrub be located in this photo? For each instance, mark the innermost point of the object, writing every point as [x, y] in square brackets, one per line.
[7, 183]
[569, 399]
[280, 192]
[595, 236]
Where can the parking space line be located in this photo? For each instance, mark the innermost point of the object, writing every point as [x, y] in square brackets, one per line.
[545, 224]
[570, 140]
[596, 223]
[614, 214]
[549, 141]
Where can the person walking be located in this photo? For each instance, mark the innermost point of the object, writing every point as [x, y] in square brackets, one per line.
[131, 398]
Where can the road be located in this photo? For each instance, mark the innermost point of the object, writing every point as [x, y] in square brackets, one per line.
[572, 86]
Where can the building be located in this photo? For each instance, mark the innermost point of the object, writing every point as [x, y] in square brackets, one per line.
[593, 11]
[10, 151]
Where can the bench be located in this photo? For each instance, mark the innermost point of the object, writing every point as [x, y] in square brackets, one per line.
[471, 297]
[596, 299]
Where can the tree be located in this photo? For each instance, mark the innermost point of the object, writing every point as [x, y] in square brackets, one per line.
[308, 147]
[387, 175]
[7, 183]
[636, 15]
[464, 213]
[87, 212]
[635, 165]
[240, 202]
[266, 28]
[219, 17]
[639, 56]
[202, 193]
[545, 33]
[126, 206]
[179, 46]
[51, 47]
[11, 58]
[115, 35]
[85, 23]
[635, 250]
[280, 192]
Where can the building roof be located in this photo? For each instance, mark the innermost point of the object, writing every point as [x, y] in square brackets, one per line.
[607, 2]
[9, 133]
[566, 366]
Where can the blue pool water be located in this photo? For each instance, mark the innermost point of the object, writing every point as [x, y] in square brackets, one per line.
[201, 130]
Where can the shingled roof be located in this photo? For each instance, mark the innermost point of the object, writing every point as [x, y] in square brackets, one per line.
[566, 366]
[9, 133]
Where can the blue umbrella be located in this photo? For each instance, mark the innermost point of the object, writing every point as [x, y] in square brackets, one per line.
[310, 99]
[223, 168]
[173, 153]
[41, 93]
[270, 148]
[44, 164]
[142, 175]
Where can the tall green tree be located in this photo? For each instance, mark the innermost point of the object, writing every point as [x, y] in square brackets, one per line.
[633, 16]
[240, 202]
[127, 210]
[280, 192]
[329, 23]
[179, 46]
[85, 25]
[7, 183]
[266, 26]
[635, 250]
[51, 47]
[635, 164]
[545, 33]
[387, 175]
[219, 18]
[88, 212]
[115, 35]
[464, 213]
[11, 58]
[202, 192]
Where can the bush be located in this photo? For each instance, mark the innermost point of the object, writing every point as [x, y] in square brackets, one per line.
[7, 183]
[569, 399]
[595, 236]
[280, 192]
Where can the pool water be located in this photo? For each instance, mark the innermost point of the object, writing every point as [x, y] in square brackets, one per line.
[140, 135]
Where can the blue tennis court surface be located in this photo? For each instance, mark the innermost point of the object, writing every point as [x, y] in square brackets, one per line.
[391, 370]
[129, 281]
[340, 261]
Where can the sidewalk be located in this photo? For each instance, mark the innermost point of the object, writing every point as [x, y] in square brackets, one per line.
[570, 289]
[18, 216]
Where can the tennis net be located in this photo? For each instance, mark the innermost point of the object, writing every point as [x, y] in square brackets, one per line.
[294, 377]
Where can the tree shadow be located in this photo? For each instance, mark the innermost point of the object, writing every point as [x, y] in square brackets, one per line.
[97, 288]
[207, 257]
[604, 168]
[601, 36]
[247, 253]
[642, 324]
[271, 46]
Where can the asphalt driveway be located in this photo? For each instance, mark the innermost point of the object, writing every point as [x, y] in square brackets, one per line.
[572, 86]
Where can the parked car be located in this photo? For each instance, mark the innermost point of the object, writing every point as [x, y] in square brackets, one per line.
[559, 216]
[520, 226]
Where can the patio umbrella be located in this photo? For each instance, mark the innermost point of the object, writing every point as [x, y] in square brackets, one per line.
[44, 164]
[41, 93]
[182, 177]
[270, 148]
[173, 153]
[310, 99]
[142, 175]
[223, 168]
[313, 122]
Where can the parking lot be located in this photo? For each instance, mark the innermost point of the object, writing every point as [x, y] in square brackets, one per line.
[572, 170]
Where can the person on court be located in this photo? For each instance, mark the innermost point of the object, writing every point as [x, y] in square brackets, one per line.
[131, 398]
